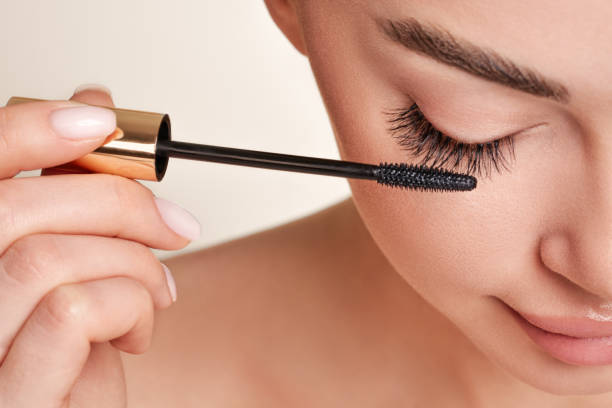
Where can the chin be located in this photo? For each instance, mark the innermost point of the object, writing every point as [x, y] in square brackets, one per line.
[562, 379]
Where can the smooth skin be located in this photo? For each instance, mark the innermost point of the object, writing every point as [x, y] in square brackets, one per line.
[78, 281]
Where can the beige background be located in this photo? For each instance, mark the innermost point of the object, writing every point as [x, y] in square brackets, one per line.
[221, 70]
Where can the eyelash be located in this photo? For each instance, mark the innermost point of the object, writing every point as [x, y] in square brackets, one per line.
[417, 135]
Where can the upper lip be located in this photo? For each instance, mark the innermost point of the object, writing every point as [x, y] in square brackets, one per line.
[579, 327]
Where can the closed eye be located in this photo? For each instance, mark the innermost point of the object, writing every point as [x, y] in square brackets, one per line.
[417, 135]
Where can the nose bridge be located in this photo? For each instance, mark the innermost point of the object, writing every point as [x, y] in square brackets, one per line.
[598, 183]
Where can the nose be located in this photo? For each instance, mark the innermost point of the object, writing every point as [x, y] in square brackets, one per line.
[581, 250]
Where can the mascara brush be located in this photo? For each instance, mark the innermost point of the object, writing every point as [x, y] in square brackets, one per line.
[394, 175]
[141, 146]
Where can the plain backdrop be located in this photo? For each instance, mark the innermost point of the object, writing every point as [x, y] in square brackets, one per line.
[223, 72]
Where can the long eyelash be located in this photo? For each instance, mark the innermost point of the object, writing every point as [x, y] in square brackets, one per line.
[416, 134]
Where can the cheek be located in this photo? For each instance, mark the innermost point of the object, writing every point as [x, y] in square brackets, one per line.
[458, 246]
[446, 245]
[442, 244]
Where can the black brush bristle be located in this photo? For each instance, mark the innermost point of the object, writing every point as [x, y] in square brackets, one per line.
[423, 178]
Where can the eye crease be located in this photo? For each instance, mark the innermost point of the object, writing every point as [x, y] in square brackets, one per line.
[414, 133]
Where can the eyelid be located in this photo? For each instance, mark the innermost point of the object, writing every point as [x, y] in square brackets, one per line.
[512, 134]
[471, 139]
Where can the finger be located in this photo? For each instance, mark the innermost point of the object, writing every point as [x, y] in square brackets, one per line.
[91, 204]
[52, 348]
[45, 134]
[104, 366]
[36, 264]
[93, 94]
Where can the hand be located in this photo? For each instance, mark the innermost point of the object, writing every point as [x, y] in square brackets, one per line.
[78, 281]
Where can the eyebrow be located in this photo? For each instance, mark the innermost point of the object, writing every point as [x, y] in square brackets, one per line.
[485, 63]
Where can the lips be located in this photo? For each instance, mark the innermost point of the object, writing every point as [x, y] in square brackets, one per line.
[571, 326]
[578, 341]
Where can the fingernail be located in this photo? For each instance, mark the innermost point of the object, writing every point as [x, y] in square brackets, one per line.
[178, 219]
[92, 87]
[171, 282]
[83, 122]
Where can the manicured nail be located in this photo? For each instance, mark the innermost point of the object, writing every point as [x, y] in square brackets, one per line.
[170, 280]
[92, 87]
[178, 219]
[83, 122]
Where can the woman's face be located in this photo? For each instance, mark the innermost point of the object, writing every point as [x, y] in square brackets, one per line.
[534, 237]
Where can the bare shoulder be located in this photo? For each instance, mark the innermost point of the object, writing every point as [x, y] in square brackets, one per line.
[275, 262]
[289, 245]
[245, 309]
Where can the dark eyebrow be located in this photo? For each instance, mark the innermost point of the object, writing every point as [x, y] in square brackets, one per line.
[439, 44]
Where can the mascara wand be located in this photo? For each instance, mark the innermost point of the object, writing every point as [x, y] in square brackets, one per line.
[141, 146]
[394, 175]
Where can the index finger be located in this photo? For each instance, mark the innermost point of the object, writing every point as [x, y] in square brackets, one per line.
[45, 134]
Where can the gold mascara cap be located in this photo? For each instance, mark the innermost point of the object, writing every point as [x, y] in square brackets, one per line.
[130, 151]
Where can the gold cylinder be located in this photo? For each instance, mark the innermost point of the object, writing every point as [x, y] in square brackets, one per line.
[130, 151]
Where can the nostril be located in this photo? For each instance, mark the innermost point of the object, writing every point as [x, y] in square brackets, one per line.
[581, 257]
[555, 251]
